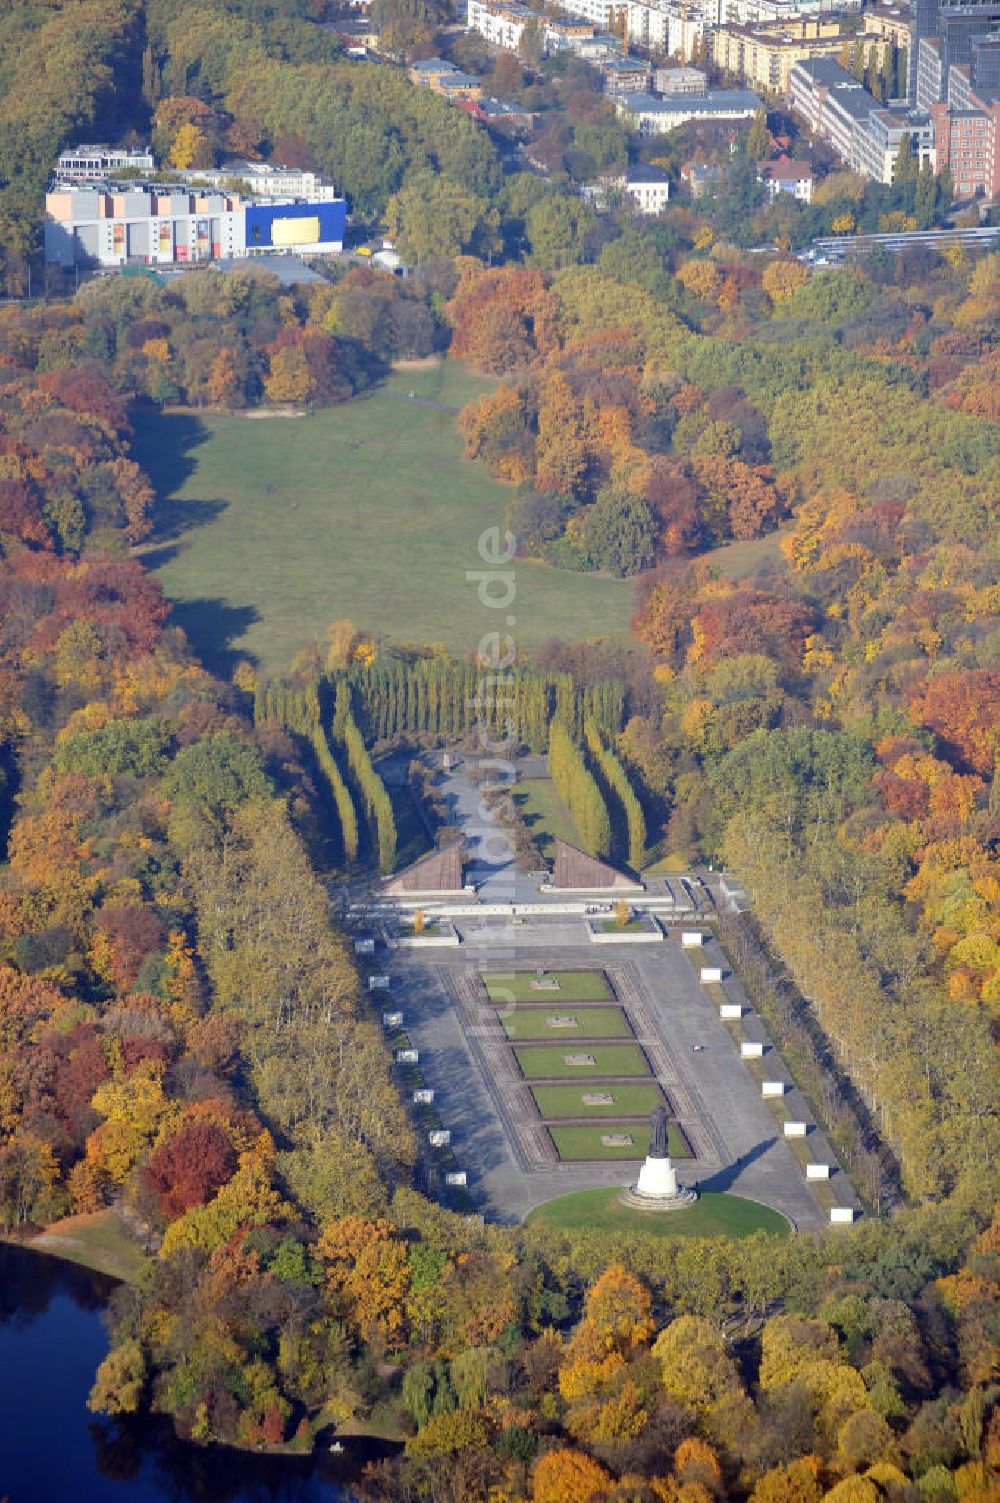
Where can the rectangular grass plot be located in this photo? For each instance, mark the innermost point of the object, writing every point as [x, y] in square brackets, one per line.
[561, 1102]
[552, 1061]
[612, 1140]
[566, 986]
[523, 1023]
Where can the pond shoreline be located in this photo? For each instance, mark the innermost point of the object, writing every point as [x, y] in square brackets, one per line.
[68, 1256]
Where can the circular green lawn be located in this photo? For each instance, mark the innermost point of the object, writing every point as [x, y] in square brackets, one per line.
[711, 1216]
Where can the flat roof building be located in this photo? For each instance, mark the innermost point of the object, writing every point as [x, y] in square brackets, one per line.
[865, 136]
[114, 224]
[652, 115]
[92, 163]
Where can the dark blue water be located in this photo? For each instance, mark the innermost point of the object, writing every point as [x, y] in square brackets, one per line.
[53, 1449]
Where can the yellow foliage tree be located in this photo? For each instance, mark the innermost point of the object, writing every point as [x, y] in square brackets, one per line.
[568, 1477]
[781, 280]
[188, 145]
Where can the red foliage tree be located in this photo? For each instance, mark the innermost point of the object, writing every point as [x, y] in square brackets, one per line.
[134, 932]
[963, 709]
[188, 1169]
[751, 620]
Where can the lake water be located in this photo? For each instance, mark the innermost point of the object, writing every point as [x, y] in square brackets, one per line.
[52, 1448]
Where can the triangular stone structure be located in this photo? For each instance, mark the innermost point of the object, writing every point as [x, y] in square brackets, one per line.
[575, 871]
[437, 872]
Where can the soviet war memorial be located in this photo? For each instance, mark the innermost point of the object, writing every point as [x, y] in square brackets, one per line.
[499, 730]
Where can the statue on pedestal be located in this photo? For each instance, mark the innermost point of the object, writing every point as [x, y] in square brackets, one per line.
[658, 1133]
[657, 1188]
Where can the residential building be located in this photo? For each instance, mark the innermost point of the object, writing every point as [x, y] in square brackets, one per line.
[460, 85]
[500, 114]
[865, 136]
[651, 115]
[429, 72]
[647, 187]
[673, 27]
[773, 12]
[892, 22]
[787, 175]
[444, 78]
[503, 23]
[680, 81]
[967, 135]
[94, 163]
[763, 55]
[599, 12]
[702, 177]
[624, 75]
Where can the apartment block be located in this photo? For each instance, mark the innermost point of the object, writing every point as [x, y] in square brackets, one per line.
[865, 136]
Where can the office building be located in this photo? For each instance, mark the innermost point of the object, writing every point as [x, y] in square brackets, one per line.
[866, 137]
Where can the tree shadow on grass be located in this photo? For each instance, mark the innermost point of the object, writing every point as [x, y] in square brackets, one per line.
[164, 445]
[172, 517]
[211, 626]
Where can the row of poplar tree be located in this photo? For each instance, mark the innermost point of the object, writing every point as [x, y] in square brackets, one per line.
[340, 713]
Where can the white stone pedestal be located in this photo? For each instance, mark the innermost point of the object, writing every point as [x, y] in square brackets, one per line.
[657, 1189]
[657, 1177]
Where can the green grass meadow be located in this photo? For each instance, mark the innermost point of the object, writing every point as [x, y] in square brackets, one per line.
[269, 529]
[555, 1101]
[711, 1216]
[584, 1143]
[591, 1023]
[547, 1062]
[574, 986]
[545, 815]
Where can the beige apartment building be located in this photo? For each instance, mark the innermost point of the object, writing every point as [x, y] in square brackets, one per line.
[763, 56]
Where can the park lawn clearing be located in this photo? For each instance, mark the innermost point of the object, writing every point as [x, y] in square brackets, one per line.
[265, 533]
[574, 986]
[99, 1240]
[555, 1101]
[548, 1061]
[712, 1215]
[545, 815]
[591, 1023]
[584, 1143]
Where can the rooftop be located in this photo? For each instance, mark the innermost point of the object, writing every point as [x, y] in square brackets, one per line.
[646, 175]
[786, 170]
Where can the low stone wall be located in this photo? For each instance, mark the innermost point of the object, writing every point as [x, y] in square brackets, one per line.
[426, 941]
[601, 936]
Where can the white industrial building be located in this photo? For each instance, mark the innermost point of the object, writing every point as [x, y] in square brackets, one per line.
[262, 180]
[83, 164]
[653, 116]
[116, 223]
